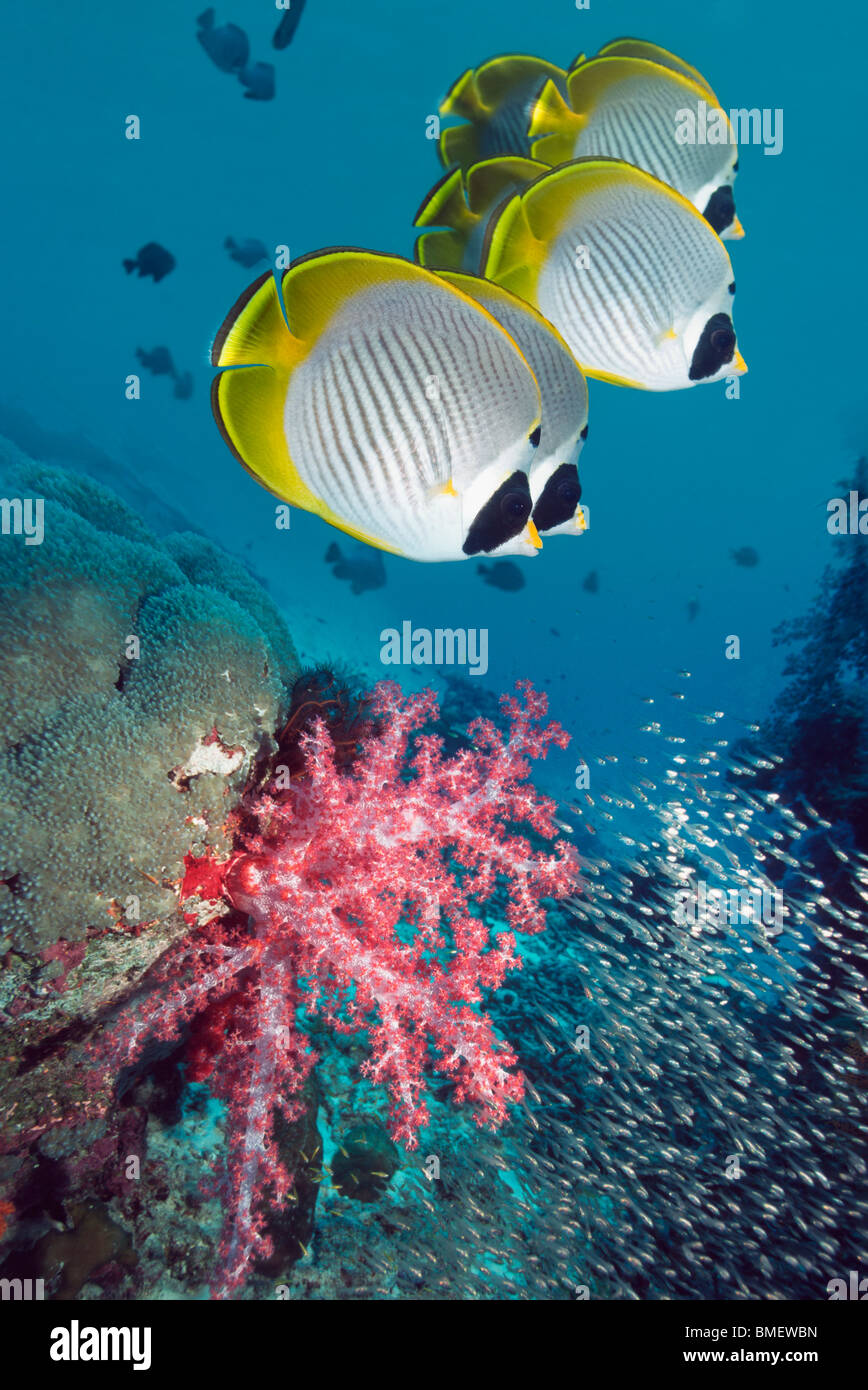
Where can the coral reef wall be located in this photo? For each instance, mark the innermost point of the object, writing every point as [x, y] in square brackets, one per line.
[139, 680]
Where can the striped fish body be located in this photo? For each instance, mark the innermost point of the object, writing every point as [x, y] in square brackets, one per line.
[393, 406]
[630, 274]
[634, 109]
[554, 478]
[497, 100]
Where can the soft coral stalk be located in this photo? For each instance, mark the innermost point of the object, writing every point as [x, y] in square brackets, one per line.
[357, 883]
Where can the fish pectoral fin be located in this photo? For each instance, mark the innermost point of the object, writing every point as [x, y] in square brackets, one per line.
[447, 489]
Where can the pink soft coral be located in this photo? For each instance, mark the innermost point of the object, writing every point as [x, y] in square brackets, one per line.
[358, 883]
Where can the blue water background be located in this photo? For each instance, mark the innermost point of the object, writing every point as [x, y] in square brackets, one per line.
[674, 482]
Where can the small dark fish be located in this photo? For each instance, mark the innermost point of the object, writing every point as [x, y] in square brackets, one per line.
[592, 583]
[363, 567]
[153, 259]
[285, 31]
[692, 609]
[258, 78]
[247, 253]
[158, 362]
[746, 556]
[228, 47]
[503, 574]
[554, 632]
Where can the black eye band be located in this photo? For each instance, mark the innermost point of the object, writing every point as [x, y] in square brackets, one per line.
[504, 516]
[720, 208]
[715, 347]
[559, 498]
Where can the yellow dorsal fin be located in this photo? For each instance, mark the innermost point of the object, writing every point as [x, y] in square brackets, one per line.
[552, 115]
[446, 205]
[653, 53]
[459, 144]
[498, 78]
[589, 82]
[489, 181]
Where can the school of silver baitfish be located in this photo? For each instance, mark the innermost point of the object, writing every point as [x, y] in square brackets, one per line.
[696, 1119]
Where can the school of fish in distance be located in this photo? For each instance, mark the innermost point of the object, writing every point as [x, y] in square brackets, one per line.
[437, 408]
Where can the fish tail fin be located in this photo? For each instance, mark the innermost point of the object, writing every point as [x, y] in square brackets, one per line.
[446, 205]
[445, 250]
[463, 99]
[459, 144]
[554, 127]
[489, 181]
[256, 352]
[129, 266]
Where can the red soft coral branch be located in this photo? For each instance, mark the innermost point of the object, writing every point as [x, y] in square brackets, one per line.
[359, 886]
